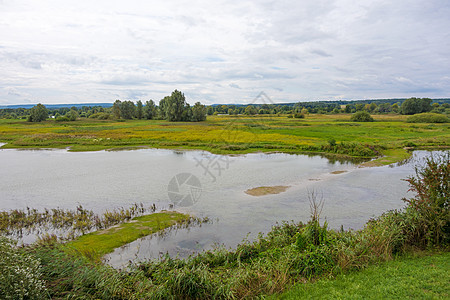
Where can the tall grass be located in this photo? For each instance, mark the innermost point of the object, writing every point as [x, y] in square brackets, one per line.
[72, 223]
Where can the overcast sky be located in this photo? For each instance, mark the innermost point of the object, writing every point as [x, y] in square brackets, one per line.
[223, 51]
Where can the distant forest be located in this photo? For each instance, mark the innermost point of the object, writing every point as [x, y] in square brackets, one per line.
[175, 108]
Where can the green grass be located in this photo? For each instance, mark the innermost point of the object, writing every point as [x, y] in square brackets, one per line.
[390, 156]
[234, 134]
[96, 244]
[426, 277]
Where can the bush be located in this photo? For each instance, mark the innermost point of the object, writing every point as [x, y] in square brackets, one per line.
[361, 116]
[428, 118]
[101, 116]
[430, 205]
[299, 116]
[20, 273]
[62, 119]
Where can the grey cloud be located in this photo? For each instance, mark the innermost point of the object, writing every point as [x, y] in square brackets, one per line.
[320, 53]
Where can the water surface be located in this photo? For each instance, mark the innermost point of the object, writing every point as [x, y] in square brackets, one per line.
[105, 180]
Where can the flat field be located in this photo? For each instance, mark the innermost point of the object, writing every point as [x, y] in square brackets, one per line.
[335, 134]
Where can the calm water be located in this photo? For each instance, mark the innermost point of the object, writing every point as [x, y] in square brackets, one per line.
[104, 180]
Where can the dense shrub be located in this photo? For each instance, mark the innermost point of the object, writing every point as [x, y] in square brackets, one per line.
[62, 119]
[430, 206]
[101, 116]
[361, 116]
[428, 118]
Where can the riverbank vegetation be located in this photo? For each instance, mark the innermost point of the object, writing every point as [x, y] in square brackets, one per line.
[292, 253]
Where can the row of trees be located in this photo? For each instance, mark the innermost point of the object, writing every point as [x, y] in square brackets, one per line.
[407, 107]
[172, 108]
[175, 108]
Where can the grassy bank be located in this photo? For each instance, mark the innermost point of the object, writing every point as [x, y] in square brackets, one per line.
[420, 276]
[334, 134]
[96, 244]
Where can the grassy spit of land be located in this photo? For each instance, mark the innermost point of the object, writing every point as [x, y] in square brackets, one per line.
[96, 244]
[331, 134]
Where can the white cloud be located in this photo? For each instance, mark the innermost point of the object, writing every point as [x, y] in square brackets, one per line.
[223, 52]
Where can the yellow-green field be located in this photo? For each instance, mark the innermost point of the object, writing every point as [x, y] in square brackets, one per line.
[234, 134]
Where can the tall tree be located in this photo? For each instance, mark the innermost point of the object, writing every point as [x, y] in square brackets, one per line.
[139, 110]
[199, 112]
[127, 110]
[116, 109]
[176, 106]
[150, 110]
[38, 113]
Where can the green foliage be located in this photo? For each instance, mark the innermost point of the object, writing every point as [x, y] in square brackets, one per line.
[150, 111]
[198, 112]
[361, 116]
[352, 148]
[250, 110]
[101, 116]
[428, 118]
[72, 277]
[416, 105]
[38, 113]
[430, 206]
[62, 119]
[175, 106]
[20, 273]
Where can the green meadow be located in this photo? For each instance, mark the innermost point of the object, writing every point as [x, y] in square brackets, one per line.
[419, 276]
[331, 134]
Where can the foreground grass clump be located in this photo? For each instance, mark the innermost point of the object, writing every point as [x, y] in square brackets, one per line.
[96, 244]
[424, 277]
[20, 273]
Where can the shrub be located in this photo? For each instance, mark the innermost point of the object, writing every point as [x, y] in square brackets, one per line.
[20, 273]
[361, 116]
[62, 119]
[428, 118]
[430, 205]
[101, 116]
[299, 116]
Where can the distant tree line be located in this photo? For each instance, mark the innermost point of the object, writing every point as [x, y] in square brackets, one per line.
[400, 106]
[175, 108]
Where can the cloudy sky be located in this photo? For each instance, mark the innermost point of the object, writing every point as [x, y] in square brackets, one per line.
[223, 51]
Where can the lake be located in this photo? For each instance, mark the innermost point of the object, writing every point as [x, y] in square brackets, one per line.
[203, 185]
